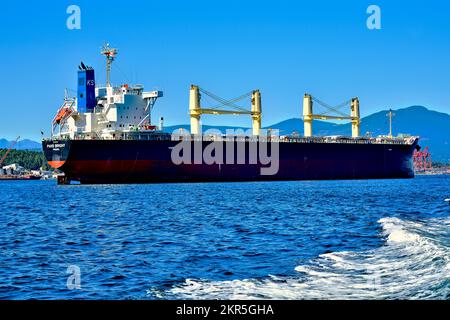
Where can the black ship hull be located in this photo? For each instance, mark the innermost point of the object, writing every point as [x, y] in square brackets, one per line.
[146, 161]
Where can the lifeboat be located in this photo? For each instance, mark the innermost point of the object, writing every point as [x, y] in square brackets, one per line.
[149, 127]
[62, 113]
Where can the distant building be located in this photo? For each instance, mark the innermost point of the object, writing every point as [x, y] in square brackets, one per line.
[46, 174]
[13, 169]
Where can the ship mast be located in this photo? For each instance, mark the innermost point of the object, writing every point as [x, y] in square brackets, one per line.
[110, 54]
[390, 114]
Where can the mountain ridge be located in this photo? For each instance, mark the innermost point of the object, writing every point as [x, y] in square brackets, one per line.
[25, 144]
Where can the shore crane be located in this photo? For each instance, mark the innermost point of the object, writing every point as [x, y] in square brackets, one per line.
[7, 151]
[195, 109]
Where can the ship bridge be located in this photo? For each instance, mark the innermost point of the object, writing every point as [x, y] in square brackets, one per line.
[105, 112]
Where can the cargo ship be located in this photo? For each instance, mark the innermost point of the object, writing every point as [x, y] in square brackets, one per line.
[106, 135]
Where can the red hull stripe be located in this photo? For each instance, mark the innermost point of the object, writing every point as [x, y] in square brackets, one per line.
[56, 164]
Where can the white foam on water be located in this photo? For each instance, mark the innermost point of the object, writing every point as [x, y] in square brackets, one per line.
[396, 232]
[410, 265]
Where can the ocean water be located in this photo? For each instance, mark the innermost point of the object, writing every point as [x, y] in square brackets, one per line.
[368, 239]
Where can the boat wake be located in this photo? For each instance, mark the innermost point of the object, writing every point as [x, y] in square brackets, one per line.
[414, 263]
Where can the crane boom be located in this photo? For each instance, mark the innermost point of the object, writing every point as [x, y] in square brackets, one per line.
[195, 109]
[7, 151]
[218, 112]
[323, 117]
[309, 116]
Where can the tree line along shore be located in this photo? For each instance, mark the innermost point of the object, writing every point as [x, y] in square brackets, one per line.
[28, 159]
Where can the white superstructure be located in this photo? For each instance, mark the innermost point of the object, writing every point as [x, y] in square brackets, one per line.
[117, 110]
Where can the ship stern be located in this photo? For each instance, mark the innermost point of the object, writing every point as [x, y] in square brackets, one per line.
[56, 152]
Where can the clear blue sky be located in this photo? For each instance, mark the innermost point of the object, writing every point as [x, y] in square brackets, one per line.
[284, 48]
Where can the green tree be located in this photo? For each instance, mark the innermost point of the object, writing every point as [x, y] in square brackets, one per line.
[30, 160]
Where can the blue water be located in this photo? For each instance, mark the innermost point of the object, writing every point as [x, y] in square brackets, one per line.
[287, 240]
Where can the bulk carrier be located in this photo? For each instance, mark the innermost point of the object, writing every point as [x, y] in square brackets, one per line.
[106, 135]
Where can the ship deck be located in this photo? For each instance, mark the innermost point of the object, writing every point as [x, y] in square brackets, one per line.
[238, 138]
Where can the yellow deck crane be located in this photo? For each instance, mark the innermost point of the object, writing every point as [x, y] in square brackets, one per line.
[195, 109]
[7, 151]
[309, 116]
